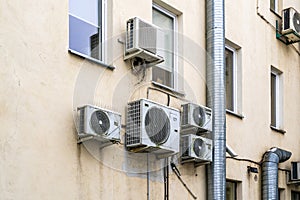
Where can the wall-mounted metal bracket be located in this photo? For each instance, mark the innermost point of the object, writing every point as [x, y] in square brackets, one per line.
[283, 37]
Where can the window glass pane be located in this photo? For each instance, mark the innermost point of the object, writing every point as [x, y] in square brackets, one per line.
[83, 37]
[85, 9]
[230, 190]
[165, 22]
[85, 27]
[162, 76]
[273, 100]
[295, 195]
[229, 62]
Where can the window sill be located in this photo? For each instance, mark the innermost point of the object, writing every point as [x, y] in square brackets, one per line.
[168, 89]
[91, 59]
[277, 129]
[234, 114]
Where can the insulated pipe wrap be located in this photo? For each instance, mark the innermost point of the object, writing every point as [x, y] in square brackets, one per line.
[270, 172]
[215, 79]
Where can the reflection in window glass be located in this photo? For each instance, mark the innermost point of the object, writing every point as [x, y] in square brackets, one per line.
[85, 27]
[229, 62]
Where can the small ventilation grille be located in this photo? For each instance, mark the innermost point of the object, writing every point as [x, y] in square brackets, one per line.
[133, 124]
[286, 16]
[100, 122]
[81, 120]
[157, 125]
[130, 26]
[185, 114]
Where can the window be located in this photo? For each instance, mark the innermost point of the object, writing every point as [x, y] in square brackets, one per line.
[274, 5]
[231, 190]
[281, 194]
[295, 195]
[233, 78]
[165, 73]
[86, 32]
[276, 98]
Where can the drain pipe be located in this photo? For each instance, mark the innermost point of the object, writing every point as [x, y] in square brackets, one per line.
[270, 172]
[215, 79]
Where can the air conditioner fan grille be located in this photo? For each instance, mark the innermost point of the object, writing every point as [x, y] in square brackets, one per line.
[198, 146]
[157, 125]
[100, 122]
[199, 116]
[296, 21]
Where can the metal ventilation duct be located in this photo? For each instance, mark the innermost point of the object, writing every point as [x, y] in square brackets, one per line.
[270, 172]
[215, 79]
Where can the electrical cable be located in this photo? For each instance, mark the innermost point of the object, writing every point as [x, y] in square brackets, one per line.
[148, 178]
[177, 173]
[166, 179]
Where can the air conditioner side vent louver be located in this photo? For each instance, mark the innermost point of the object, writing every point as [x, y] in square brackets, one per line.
[133, 124]
[81, 120]
[130, 26]
[185, 146]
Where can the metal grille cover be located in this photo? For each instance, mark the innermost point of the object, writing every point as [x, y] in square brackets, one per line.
[133, 124]
[100, 122]
[199, 116]
[296, 21]
[198, 147]
[157, 125]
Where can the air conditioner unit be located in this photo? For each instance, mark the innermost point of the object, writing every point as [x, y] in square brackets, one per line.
[295, 171]
[195, 148]
[98, 123]
[144, 41]
[291, 24]
[195, 119]
[152, 127]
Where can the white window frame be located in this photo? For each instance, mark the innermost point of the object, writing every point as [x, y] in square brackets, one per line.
[175, 43]
[278, 98]
[234, 69]
[102, 43]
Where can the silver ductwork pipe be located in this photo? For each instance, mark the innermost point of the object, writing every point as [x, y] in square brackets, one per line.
[215, 79]
[270, 172]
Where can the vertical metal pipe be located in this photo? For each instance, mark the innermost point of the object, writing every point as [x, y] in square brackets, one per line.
[270, 172]
[215, 79]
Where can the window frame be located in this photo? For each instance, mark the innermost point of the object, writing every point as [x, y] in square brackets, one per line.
[235, 79]
[235, 188]
[175, 50]
[276, 6]
[102, 23]
[278, 98]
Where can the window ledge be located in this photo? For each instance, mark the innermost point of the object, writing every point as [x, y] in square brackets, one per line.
[234, 114]
[91, 59]
[277, 129]
[168, 88]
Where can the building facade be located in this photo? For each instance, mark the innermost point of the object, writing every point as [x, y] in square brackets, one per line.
[59, 55]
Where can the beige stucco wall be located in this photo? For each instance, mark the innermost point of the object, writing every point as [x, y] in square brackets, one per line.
[42, 84]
